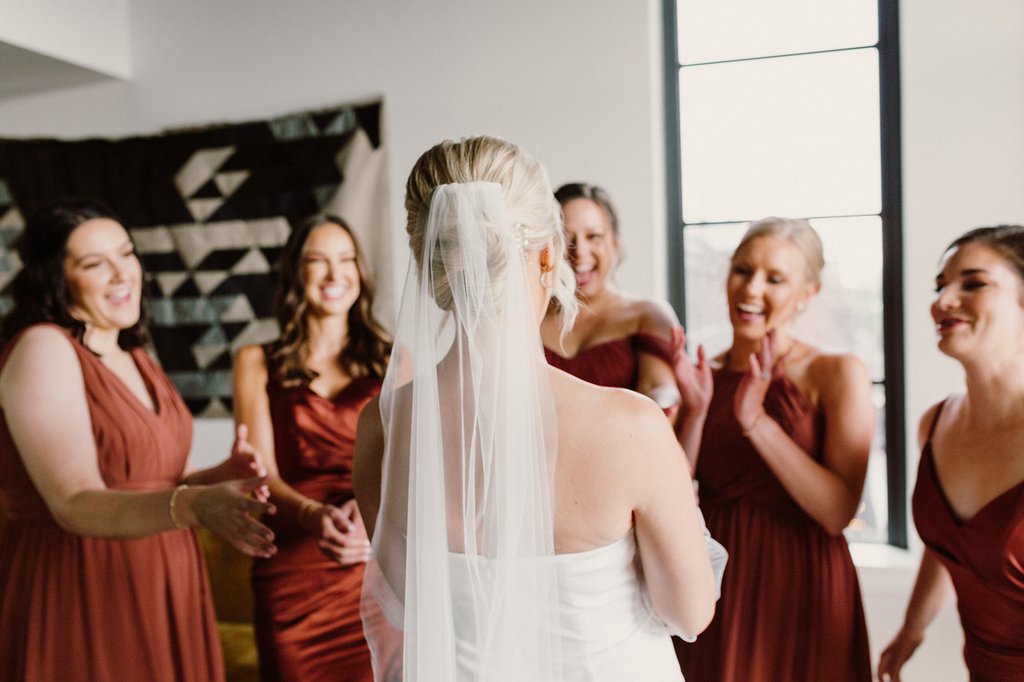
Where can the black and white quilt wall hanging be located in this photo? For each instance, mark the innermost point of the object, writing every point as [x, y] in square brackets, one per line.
[209, 210]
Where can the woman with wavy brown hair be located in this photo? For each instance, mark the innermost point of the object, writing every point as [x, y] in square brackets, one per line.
[301, 396]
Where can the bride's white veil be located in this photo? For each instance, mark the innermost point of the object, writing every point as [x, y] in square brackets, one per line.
[462, 585]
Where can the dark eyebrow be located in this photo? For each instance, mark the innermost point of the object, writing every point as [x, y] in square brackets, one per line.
[349, 253]
[76, 261]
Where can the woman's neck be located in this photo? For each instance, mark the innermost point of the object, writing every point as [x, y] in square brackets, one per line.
[738, 355]
[995, 390]
[607, 297]
[327, 336]
[101, 341]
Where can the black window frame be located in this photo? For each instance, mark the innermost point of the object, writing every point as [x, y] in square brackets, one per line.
[892, 236]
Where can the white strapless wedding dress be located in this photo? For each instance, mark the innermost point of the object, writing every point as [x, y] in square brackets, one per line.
[608, 632]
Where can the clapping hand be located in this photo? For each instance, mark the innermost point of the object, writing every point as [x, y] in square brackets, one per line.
[696, 385]
[343, 535]
[748, 402]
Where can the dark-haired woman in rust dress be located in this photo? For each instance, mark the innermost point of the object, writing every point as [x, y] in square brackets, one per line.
[101, 575]
[781, 468]
[969, 497]
[301, 397]
[619, 340]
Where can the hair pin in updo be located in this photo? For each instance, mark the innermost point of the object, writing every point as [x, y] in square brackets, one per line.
[517, 234]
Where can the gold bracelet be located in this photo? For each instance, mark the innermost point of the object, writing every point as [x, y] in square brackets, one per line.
[170, 506]
[746, 430]
[307, 507]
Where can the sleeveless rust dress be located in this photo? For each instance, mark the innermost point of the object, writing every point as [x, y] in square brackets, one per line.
[790, 608]
[612, 363]
[985, 558]
[306, 606]
[87, 608]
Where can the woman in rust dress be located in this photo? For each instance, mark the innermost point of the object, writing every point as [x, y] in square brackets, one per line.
[101, 576]
[301, 397]
[969, 498]
[620, 340]
[781, 467]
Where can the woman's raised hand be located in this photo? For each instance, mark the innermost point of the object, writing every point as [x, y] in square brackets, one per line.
[696, 385]
[229, 509]
[748, 402]
[244, 462]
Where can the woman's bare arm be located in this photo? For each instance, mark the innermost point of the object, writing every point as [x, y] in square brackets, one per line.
[829, 491]
[43, 396]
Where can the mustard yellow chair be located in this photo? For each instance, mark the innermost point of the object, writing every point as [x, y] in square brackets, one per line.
[232, 600]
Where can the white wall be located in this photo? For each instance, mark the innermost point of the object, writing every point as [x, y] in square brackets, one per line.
[578, 83]
[570, 81]
[963, 153]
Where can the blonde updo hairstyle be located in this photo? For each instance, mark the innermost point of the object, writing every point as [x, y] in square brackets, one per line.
[529, 203]
[799, 233]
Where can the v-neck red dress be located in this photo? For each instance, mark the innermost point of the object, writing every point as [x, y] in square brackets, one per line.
[306, 605]
[88, 608]
[985, 558]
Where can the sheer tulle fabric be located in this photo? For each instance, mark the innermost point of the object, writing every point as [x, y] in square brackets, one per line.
[468, 464]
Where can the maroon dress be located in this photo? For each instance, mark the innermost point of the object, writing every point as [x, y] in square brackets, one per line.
[306, 605]
[612, 363]
[89, 608]
[790, 607]
[985, 558]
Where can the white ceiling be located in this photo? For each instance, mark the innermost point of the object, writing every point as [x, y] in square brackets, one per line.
[25, 71]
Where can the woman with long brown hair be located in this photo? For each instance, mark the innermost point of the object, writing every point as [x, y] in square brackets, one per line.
[301, 396]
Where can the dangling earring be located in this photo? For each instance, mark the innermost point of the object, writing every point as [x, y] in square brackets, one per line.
[546, 271]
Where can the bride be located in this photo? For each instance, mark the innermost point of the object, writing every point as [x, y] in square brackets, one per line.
[526, 525]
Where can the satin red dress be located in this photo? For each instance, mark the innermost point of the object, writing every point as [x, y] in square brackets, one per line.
[790, 608]
[307, 606]
[86, 608]
[985, 558]
[612, 363]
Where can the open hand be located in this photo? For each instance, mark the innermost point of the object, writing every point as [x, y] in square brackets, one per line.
[229, 510]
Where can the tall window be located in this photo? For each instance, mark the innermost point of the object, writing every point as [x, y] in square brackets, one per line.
[791, 108]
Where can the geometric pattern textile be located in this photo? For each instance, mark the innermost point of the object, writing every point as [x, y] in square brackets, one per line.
[210, 210]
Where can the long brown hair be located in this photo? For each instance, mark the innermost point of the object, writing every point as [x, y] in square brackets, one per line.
[368, 347]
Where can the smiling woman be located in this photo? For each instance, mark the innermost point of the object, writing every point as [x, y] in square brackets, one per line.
[969, 497]
[301, 396]
[781, 465]
[618, 339]
[94, 442]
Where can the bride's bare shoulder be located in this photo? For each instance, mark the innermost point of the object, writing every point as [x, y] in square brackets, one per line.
[606, 416]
